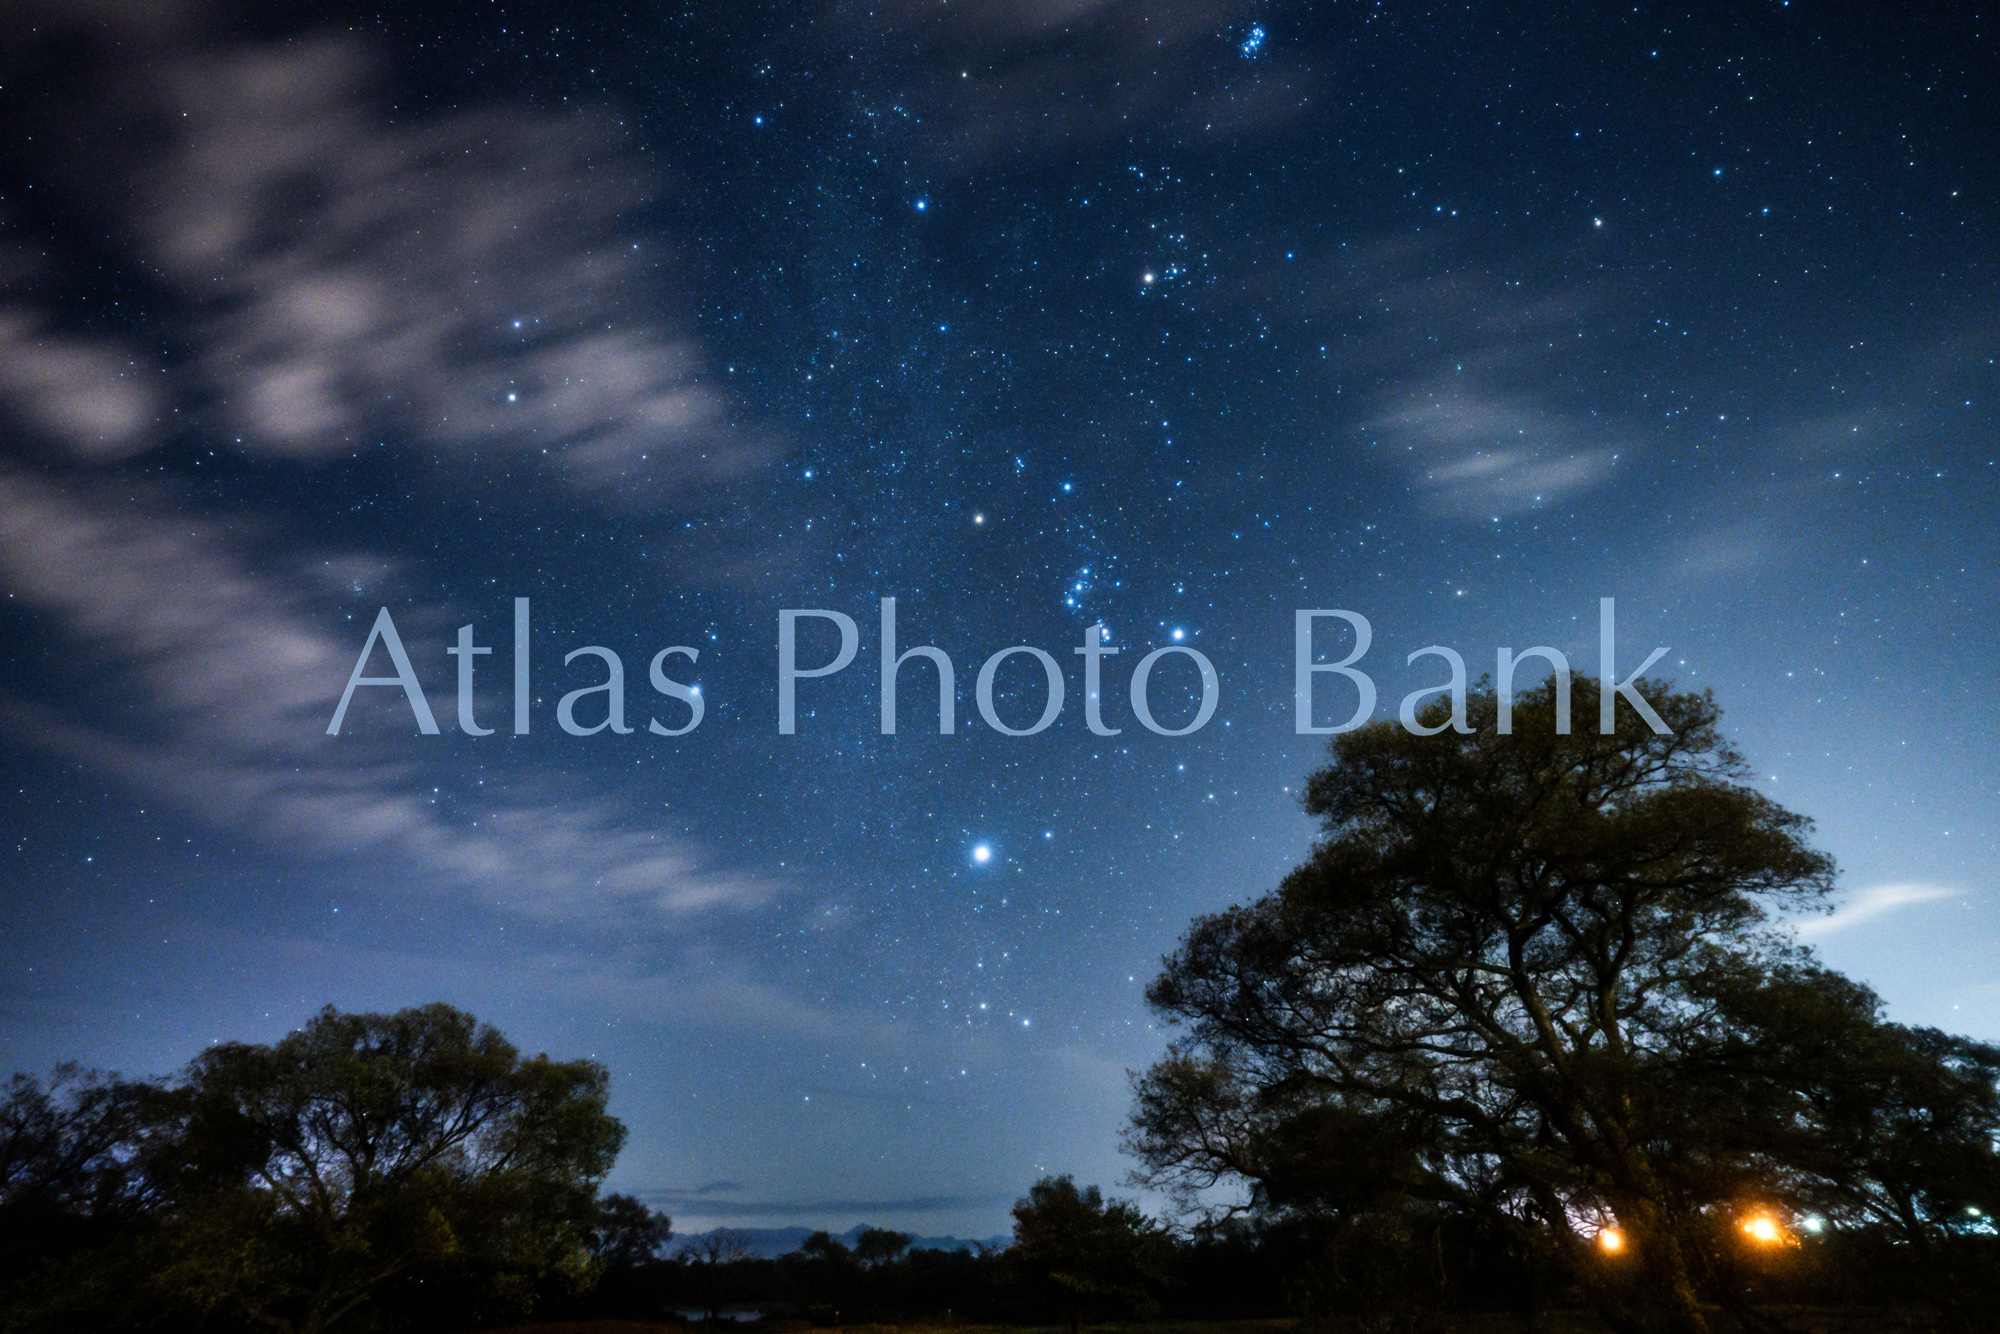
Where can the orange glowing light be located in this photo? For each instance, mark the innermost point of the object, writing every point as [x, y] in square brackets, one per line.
[1763, 1229]
[1612, 1240]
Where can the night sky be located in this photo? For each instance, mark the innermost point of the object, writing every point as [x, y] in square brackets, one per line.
[1171, 317]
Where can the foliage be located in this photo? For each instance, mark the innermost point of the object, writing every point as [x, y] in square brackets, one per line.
[1082, 1258]
[1528, 979]
[74, 1196]
[627, 1234]
[325, 1180]
[628, 1242]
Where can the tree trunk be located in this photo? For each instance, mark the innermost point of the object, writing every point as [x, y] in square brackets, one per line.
[1672, 1289]
[1665, 1302]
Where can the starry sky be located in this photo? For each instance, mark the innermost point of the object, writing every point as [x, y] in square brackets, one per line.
[1165, 316]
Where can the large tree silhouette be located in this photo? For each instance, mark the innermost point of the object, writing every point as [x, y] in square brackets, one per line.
[1529, 977]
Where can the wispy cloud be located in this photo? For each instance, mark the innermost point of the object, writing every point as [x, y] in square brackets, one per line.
[463, 282]
[91, 396]
[236, 677]
[1868, 904]
[462, 286]
[706, 1188]
[1481, 455]
[1469, 374]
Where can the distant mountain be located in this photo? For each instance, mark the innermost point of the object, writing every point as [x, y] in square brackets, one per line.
[768, 1243]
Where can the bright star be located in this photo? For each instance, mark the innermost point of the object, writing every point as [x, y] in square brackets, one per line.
[982, 854]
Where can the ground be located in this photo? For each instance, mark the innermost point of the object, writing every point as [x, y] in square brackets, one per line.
[1797, 1321]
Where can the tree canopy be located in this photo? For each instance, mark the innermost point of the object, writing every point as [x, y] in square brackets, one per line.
[1532, 978]
[1082, 1257]
[289, 1186]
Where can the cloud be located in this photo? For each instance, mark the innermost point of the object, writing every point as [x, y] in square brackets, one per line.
[462, 282]
[707, 1188]
[1473, 369]
[462, 285]
[236, 679]
[703, 990]
[1480, 455]
[1868, 904]
[91, 395]
[96, 398]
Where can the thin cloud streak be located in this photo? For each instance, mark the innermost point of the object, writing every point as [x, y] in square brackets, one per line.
[237, 680]
[1470, 375]
[1869, 904]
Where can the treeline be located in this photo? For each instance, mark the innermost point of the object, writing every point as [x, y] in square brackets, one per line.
[414, 1171]
[1077, 1260]
[368, 1171]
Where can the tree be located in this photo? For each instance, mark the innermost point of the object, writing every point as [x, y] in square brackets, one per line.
[304, 1178]
[1079, 1256]
[73, 1196]
[1885, 1133]
[877, 1246]
[1496, 987]
[628, 1242]
[708, 1260]
[825, 1278]
[628, 1235]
